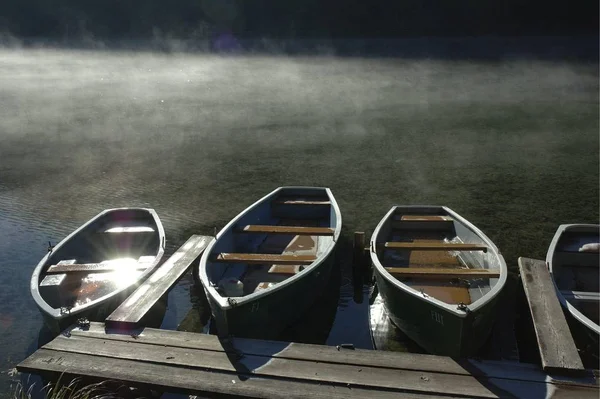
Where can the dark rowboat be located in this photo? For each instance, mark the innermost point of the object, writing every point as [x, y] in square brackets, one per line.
[439, 276]
[270, 263]
[573, 259]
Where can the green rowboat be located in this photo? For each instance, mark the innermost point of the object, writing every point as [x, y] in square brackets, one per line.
[268, 265]
[439, 276]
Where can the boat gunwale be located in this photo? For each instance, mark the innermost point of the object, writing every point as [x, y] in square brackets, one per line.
[474, 306]
[42, 266]
[580, 317]
[223, 302]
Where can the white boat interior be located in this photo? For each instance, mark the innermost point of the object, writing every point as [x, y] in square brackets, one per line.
[107, 254]
[575, 268]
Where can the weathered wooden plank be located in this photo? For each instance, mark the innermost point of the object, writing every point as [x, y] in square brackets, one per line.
[265, 258]
[197, 381]
[434, 246]
[323, 353]
[567, 391]
[283, 269]
[133, 309]
[300, 202]
[309, 370]
[529, 390]
[440, 272]
[426, 218]
[296, 230]
[506, 376]
[557, 348]
[96, 267]
[582, 296]
[510, 371]
[128, 229]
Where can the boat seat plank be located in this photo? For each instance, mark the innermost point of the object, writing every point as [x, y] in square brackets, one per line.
[296, 230]
[444, 292]
[263, 286]
[435, 272]
[425, 218]
[96, 267]
[264, 258]
[582, 296]
[128, 229]
[284, 269]
[301, 202]
[429, 246]
[558, 352]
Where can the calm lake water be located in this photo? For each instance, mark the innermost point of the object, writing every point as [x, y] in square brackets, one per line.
[510, 144]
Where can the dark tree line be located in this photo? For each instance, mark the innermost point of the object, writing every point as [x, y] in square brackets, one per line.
[139, 19]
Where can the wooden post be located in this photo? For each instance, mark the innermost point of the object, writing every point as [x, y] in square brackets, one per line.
[367, 264]
[555, 342]
[358, 262]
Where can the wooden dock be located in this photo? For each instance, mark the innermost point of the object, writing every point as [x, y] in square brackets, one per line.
[200, 364]
[206, 365]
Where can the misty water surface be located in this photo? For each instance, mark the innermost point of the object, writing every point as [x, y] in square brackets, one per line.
[511, 145]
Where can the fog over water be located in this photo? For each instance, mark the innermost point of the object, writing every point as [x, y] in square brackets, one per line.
[510, 144]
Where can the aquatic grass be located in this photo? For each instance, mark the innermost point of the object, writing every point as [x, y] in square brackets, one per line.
[76, 389]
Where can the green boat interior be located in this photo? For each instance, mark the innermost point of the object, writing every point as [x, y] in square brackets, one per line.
[576, 271]
[271, 243]
[109, 254]
[438, 256]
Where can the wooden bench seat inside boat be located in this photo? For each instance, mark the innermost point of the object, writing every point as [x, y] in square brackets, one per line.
[285, 269]
[264, 258]
[582, 296]
[95, 267]
[414, 223]
[423, 272]
[295, 230]
[301, 201]
[127, 229]
[425, 218]
[433, 246]
[442, 291]
[263, 286]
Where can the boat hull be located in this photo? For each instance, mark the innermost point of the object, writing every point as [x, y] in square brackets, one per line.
[441, 324]
[267, 316]
[71, 247]
[273, 296]
[586, 340]
[435, 329]
[562, 254]
[100, 312]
